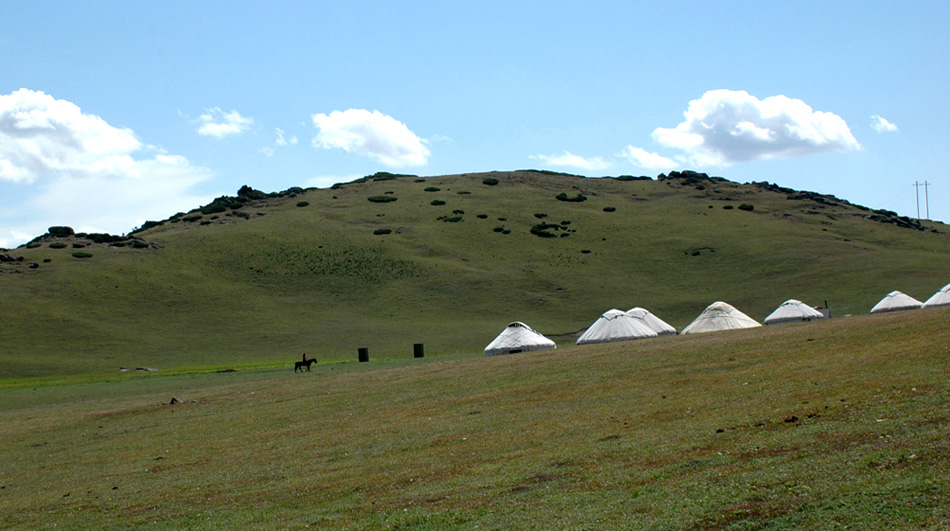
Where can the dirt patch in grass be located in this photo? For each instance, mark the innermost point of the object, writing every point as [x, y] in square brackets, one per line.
[750, 515]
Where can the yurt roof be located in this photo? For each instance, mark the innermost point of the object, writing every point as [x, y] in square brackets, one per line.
[720, 316]
[895, 301]
[615, 325]
[793, 310]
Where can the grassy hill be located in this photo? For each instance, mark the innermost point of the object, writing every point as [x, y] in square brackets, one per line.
[838, 424]
[316, 270]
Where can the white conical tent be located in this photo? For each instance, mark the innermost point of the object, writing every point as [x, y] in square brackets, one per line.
[615, 325]
[518, 337]
[895, 301]
[793, 310]
[941, 298]
[655, 323]
[719, 316]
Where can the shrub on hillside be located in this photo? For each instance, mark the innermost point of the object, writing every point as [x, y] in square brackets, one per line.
[431, 189]
[746, 207]
[379, 232]
[437, 202]
[61, 232]
[82, 254]
[447, 219]
[542, 230]
[246, 192]
[491, 181]
[727, 207]
[633, 178]
[380, 199]
[482, 216]
[194, 217]
[302, 203]
[463, 192]
[57, 245]
[540, 215]
[576, 199]
[148, 225]
[213, 208]
[610, 209]
[99, 237]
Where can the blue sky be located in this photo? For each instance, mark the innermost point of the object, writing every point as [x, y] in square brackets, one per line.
[112, 113]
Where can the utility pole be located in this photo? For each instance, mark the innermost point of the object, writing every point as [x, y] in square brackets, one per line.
[917, 193]
[927, 199]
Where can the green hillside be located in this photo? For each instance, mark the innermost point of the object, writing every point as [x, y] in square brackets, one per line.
[448, 263]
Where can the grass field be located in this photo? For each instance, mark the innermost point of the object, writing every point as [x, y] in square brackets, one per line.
[839, 424]
[317, 278]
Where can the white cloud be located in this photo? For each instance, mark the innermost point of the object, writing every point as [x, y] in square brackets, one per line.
[75, 169]
[219, 124]
[282, 140]
[40, 135]
[575, 161]
[370, 134]
[644, 159]
[267, 151]
[728, 126]
[881, 125]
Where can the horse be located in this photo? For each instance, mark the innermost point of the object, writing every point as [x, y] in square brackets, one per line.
[299, 365]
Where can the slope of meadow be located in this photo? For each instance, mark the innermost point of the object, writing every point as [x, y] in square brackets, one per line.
[839, 424]
[316, 271]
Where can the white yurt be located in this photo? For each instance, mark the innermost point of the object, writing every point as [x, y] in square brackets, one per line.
[895, 301]
[941, 298]
[615, 325]
[518, 337]
[793, 310]
[655, 323]
[720, 316]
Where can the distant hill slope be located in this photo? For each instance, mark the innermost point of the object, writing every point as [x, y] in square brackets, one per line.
[388, 261]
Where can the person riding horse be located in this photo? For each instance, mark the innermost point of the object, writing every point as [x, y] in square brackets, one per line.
[299, 365]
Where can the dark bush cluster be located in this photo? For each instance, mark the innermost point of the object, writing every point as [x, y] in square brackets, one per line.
[482, 216]
[247, 193]
[57, 245]
[431, 189]
[540, 215]
[576, 199]
[632, 178]
[448, 219]
[610, 209]
[544, 230]
[437, 202]
[382, 231]
[747, 207]
[302, 203]
[491, 181]
[381, 199]
[61, 232]
[82, 254]
[149, 225]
